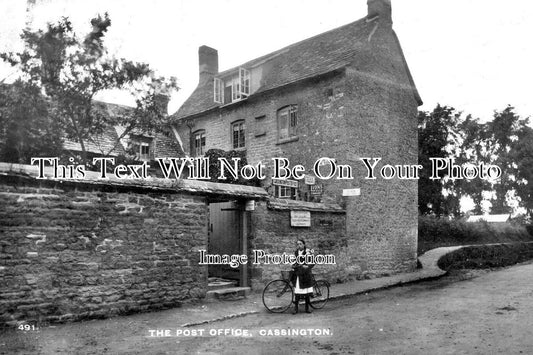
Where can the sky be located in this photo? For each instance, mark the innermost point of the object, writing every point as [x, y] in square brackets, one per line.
[473, 55]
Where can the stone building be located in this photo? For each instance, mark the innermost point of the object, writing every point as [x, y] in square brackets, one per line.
[343, 94]
[85, 248]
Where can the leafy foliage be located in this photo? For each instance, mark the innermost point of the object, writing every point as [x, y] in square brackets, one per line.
[70, 71]
[26, 127]
[506, 141]
[434, 232]
[487, 256]
[214, 166]
[435, 132]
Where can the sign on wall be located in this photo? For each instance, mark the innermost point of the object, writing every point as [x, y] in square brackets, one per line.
[351, 192]
[300, 219]
[250, 205]
[285, 182]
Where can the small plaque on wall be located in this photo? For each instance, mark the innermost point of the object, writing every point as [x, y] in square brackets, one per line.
[316, 189]
[300, 219]
[250, 205]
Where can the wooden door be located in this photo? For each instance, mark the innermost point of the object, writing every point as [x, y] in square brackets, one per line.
[225, 236]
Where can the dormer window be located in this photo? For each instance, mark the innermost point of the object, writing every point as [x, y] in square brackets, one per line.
[141, 148]
[233, 88]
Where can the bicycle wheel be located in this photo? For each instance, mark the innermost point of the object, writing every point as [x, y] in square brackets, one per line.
[320, 294]
[278, 296]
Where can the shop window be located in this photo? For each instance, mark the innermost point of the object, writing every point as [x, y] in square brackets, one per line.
[285, 192]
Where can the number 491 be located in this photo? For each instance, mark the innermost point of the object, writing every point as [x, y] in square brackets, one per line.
[27, 327]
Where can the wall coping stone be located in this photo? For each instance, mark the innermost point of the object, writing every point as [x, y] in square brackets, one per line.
[291, 205]
[187, 185]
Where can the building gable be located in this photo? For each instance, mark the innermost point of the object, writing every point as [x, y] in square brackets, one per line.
[348, 45]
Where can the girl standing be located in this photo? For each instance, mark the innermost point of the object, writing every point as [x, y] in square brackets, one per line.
[302, 277]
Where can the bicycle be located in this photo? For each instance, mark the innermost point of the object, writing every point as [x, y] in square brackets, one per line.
[278, 295]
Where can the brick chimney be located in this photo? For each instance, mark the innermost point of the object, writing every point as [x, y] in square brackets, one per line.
[162, 97]
[161, 101]
[381, 8]
[208, 60]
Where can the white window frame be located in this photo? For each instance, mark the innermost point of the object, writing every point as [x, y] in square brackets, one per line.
[284, 191]
[144, 157]
[235, 90]
[240, 87]
[244, 80]
[218, 91]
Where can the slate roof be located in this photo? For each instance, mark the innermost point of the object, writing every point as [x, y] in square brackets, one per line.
[311, 57]
[105, 142]
[167, 146]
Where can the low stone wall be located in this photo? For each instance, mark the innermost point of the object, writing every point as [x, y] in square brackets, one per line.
[91, 248]
[271, 231]
[71, 251]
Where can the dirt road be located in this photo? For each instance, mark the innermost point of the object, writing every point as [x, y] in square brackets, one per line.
[491, 313]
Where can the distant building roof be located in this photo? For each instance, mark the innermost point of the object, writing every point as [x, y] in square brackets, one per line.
[103, 143]
[491, 218]
[106, 142]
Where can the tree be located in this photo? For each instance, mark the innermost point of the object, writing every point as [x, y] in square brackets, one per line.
[506, 134]
[523, 156]
[27, 129]
[435, 130]
[469, 148]
[506, 141]
[71, 71]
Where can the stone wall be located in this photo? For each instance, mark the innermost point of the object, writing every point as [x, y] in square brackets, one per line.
[271, 231]
[382, 222]
[71, 250]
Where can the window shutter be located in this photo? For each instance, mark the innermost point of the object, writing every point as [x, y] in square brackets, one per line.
[244, 79]
[218, 91]
[236, 90]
